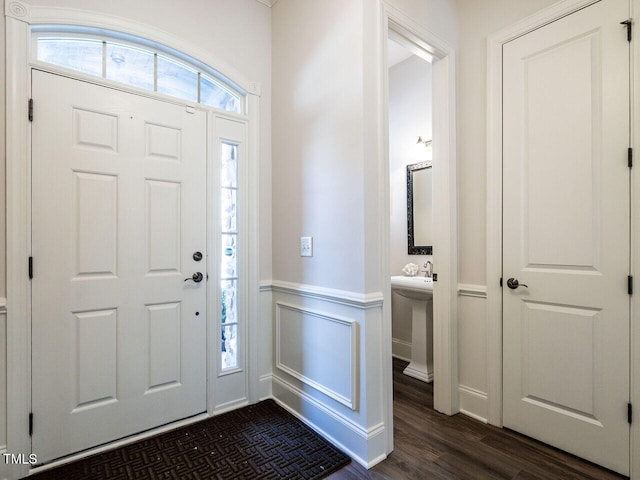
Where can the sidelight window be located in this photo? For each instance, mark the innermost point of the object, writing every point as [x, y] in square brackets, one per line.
[229, 264]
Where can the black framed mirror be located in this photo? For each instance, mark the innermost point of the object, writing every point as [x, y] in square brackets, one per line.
[420, 208]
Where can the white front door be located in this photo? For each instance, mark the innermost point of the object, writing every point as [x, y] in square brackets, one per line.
[118, 212]
[566, 234]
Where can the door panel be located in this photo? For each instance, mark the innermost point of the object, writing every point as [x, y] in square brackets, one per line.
[566, 234]
[118, 208]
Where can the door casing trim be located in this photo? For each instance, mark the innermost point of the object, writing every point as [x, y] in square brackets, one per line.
[446, 395]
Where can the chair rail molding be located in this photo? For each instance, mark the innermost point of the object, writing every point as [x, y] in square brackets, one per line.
[469, 290]
[352, 299]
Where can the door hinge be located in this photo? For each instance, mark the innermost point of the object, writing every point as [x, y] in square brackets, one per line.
[500, 281]
[630, 285]
[31, 109]
[434, 277]
[629, 413]
[630, 157]
[629, 23]
[30, 268]
[30, 424]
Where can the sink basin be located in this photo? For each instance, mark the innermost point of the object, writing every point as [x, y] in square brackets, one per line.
[416, 288]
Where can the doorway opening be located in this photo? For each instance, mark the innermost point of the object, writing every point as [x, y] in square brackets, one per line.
[410, 85]
[440, 143]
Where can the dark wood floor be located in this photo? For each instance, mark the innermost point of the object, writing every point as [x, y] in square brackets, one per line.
[429, 445]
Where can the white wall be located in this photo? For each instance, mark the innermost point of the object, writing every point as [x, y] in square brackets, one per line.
[317, 142]
[477, 21]
[410, 106]
[409, 117]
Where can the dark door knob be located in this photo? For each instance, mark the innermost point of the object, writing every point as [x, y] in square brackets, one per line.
[513, 283]
[196, 277]
[197, 256]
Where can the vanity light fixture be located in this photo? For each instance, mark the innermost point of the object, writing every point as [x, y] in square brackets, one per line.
[427, 143]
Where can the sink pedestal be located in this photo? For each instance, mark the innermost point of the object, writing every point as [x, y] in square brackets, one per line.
[421, 365]
[419, 292]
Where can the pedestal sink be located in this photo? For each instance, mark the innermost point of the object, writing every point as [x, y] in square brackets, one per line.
[418, 291]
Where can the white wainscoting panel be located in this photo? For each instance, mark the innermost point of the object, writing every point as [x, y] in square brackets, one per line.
[319, 349]
[322, 341]
[472, 350]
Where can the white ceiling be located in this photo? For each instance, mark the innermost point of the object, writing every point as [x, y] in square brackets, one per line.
[397, 53]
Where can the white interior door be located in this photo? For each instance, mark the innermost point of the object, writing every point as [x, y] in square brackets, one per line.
[118, 211]
[566, 234]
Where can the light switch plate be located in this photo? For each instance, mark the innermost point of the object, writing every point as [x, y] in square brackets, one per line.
[306, 246]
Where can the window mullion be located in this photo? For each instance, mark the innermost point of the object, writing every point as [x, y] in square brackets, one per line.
[104, 59]
[155, 72]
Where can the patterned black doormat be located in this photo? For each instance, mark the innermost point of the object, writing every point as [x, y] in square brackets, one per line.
[261, 441]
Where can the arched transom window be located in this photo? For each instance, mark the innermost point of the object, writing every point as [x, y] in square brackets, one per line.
[138, 63]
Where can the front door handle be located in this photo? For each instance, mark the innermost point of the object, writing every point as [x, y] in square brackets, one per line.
[513, 283]
[196, 277]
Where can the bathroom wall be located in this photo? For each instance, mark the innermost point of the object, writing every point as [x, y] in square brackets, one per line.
[410, 105]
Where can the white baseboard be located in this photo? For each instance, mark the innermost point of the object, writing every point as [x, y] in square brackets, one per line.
[418, 374]
[473, 403]
[357, 441]
[265, 389]
[401, 349]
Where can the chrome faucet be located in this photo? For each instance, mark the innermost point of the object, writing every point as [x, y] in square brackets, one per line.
[428, 272]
